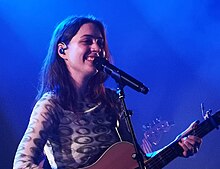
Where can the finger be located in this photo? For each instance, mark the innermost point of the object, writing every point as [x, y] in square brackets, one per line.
[195, 139]
[187, 144]
[188, 148]
[185, 149]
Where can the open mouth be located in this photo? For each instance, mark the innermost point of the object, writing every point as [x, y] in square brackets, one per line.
[90, 58]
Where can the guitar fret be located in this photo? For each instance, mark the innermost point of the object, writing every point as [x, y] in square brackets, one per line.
[172, 151]
[164, 157]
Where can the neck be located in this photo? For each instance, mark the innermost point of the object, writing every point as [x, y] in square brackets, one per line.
[81, 84]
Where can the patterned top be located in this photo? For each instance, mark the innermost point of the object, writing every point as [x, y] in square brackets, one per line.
[69, 139]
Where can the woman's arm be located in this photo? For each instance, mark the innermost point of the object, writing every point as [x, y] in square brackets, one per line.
[30, 150]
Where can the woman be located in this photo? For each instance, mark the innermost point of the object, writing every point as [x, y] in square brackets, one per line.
[75, 118]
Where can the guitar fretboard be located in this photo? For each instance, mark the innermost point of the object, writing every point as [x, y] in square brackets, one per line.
[173, 150]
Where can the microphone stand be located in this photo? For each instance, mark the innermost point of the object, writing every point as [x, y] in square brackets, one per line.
[120, 91]
[117, 75]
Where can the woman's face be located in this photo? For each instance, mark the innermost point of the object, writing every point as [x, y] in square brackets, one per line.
[82, 49]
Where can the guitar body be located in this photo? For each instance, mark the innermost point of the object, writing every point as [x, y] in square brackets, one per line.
[118, 156]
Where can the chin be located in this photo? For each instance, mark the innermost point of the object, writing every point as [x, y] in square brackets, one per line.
[92, 72]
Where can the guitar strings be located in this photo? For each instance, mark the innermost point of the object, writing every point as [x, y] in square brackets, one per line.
[169, 152]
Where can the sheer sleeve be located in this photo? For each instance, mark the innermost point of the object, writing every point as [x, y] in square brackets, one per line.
[30, 150]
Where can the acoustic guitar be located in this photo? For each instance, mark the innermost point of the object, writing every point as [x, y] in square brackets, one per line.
[119, 155]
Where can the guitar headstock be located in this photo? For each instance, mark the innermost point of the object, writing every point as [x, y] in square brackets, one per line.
[154, 131]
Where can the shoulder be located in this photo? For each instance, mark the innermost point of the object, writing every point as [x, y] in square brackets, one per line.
[46, 102]
[47, 98]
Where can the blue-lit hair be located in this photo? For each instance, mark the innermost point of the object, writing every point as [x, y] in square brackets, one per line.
[55, 75]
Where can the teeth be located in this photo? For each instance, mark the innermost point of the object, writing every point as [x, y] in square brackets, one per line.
[90, 58]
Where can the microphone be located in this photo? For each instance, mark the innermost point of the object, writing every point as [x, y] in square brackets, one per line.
[120, 76]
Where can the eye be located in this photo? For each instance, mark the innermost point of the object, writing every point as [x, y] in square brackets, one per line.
[100, 42]
[87, 41]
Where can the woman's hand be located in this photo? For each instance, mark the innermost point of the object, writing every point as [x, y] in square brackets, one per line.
[190, 145]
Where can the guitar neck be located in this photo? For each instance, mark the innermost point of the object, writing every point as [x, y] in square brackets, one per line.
[164, 157]
[173, 150]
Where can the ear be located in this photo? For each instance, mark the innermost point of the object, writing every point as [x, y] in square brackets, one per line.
[61, 50]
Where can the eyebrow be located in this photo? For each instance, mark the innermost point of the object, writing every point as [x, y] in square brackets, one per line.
[88, 35]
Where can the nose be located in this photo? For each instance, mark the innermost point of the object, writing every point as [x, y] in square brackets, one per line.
[95, 47]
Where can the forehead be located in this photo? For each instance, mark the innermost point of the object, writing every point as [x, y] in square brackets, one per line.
[89, 29]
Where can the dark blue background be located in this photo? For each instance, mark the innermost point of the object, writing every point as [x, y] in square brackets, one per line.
[171, 46]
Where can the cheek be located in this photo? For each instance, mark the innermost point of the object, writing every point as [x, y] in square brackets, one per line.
[77, 56]
[74, 53]
[79, 51]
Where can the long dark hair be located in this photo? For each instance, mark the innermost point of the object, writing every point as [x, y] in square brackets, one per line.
[55, 76]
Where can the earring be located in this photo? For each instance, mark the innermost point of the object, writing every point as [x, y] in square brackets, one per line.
[62, 51]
